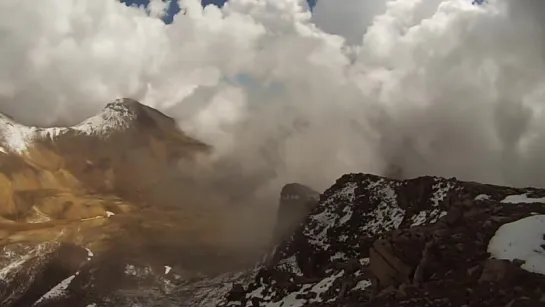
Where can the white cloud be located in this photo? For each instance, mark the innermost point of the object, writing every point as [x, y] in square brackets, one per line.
[437, 87]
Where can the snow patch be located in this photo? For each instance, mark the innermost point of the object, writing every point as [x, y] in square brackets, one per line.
[524, 240]
[347, 215]
[388, 215]
[4, 272]
[482, 197]
[89, 254]
[290, 265]
[16, 137]
[295, 299]
[132, 270]
[93, 218]
[385, 217]
[39, 216]
[523, 198]
[339, 256]
[364, 261]
[419, 219]
[362, 285]
[15, 264]
[327, 219]
[441, 189]
[324, 285]
[114, 117]
[58, 291]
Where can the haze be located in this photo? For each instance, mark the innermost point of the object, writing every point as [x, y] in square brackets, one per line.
[431, 87]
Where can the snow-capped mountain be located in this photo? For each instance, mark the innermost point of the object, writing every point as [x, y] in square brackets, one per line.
[120, 120]
[115, 117]
[83, 205]
[125, 148]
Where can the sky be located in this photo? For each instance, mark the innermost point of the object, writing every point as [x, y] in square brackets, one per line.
[432, 87]
[174, 8]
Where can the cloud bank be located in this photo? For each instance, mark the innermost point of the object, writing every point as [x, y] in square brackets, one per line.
[438, 87]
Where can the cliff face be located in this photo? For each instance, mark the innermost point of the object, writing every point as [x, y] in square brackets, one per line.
[296, 202]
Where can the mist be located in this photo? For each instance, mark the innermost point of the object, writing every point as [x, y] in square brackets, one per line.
[432, 87]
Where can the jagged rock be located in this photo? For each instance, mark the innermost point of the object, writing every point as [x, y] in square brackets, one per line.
[30, 274]
[66, 275]
[419, 242]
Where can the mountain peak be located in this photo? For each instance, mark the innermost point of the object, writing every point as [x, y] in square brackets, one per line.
[116, 117]
[124, 106]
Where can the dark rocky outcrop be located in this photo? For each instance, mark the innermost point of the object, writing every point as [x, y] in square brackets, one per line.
[373, 241]
[296, 203]
[67, 275]
[25, 280]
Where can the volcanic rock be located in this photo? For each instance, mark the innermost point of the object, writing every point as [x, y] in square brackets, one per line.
[296, 203]
[429, 241]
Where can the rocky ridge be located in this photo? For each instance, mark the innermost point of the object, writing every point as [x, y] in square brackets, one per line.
[429, 241]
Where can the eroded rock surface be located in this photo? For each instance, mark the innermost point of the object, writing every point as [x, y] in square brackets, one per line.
[373, 241]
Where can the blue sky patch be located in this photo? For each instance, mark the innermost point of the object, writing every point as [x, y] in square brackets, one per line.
[175, 9]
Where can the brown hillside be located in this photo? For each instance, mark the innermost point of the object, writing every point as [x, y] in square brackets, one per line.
[115, 182]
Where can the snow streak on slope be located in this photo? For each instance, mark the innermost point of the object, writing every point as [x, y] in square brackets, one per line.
[441, 87]
[57, 291]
